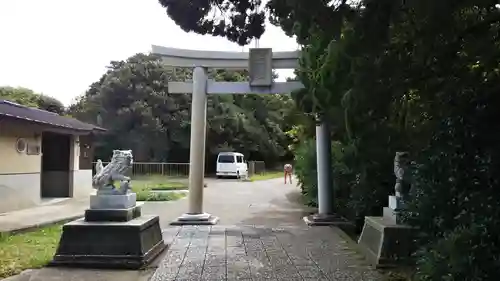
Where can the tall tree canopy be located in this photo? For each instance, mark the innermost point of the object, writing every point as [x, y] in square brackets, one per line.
[29, 98]
[134, 104]
[241, 21]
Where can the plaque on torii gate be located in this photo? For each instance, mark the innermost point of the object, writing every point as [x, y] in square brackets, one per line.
[260, 67]
[260, 63]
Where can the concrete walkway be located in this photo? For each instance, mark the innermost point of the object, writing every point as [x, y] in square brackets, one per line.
[261, 236]
[24, 219]
[268, 202]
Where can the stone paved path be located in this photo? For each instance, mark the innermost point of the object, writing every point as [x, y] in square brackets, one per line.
[261, 237]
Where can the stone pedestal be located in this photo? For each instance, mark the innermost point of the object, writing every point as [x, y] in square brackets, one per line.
[110, 237]
[396, 203]
[108, 201]
[393, 212]
[112, 215]
[392, 215]
[385, 241]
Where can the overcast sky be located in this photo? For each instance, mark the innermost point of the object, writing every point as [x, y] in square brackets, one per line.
[59, 47]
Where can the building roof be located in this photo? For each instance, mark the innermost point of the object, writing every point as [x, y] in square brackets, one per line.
[35, 115]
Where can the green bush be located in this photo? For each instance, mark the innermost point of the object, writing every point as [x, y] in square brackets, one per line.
[454, 198]
[354, 198]
[306, 172]
[343, 178]
[373, 183]
[462, 254]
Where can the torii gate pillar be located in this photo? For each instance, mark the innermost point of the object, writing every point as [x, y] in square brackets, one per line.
[195, 214]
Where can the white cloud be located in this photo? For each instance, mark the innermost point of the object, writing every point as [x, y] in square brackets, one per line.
[59, 47]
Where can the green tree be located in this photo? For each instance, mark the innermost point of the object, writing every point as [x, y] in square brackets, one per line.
[241, 21]
[133, 102]
[424, 84]
[29, 98]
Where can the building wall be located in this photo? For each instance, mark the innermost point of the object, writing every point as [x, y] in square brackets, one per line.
[81, 179]
[86, 152]
[19, 172]
[82, 183]
[14, 162]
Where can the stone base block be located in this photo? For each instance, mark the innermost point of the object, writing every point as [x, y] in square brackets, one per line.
[129, 245]
[196, 219]
[385, 243]
[396, 203]
[101, 201]
[326, 220]
[116, 215]
[393, 215]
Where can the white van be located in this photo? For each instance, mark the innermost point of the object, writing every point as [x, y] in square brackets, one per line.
[231, 164]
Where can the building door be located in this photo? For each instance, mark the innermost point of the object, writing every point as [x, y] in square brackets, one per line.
[55, 165]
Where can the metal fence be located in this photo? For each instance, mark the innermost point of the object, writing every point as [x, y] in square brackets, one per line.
[256, 167]
[157, 168]
[178, 169]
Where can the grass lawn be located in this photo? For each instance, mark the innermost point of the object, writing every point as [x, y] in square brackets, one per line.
[170, 186]
[145, 186]
[148, 195]
[32, 249]
[266, 176]
[158, 183]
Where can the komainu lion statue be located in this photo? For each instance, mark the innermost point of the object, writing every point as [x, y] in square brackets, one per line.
[105, 177]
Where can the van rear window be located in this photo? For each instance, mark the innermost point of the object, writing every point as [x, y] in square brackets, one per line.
[226, 159]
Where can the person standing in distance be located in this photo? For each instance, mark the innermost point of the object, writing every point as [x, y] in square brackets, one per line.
[288, 172]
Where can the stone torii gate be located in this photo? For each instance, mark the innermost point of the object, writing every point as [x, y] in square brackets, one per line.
[260, 62]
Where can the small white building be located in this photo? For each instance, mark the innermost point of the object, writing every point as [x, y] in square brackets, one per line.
[42, 156]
